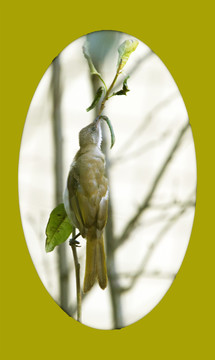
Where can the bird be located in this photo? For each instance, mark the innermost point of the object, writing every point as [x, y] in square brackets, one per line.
[86, 202]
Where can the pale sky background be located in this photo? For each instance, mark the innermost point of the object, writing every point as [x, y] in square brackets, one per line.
[130, 176]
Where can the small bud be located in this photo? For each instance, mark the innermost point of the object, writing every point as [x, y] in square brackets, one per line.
[124, 89]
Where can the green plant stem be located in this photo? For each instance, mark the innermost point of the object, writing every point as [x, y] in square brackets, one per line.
[73, 245]
[107, 95]
[106, 90]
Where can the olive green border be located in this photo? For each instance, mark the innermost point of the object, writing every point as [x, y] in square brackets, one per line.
[32, 34]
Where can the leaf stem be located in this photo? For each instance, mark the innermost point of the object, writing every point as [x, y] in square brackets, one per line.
[106, 90]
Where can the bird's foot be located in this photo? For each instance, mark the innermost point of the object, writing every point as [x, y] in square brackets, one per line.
[75, 242]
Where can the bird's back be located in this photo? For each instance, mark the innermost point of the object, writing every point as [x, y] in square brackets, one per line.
[88, 186]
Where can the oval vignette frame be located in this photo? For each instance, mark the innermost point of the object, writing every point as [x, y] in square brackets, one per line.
[171, 212]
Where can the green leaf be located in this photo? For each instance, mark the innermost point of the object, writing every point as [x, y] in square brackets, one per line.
[110, 127]
[124, 89]
[98, 96]
[93, 70]
[125, 50]
[58, 228]
[86, 53]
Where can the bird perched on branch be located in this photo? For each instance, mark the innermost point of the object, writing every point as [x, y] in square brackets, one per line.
[86, 201]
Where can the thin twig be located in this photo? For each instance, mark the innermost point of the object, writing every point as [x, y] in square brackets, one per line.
[157, 274]
[145, 123]
[58, 169]
[108, 91]
[73, 243]
[140, 151]
[152, 247]
[133, 221]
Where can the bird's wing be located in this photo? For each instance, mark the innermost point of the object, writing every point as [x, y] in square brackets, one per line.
[73, 189]
[88, 194]
[102, 211]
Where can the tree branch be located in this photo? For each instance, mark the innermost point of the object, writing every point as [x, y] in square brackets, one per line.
[139, 152]
[147, 119]
[117, 312]
[73, 244]
[147, 274]
[58, 170]
[151, 248]
[133, 221]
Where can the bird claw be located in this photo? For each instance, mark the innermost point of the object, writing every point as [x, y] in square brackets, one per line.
[75, 242]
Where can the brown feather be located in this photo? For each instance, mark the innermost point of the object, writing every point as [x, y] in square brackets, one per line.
[88, 189]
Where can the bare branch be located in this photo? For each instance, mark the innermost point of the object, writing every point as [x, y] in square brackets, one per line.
[146, 274]
[58, 168]
[166, 206]
[152, 247]
[162, 216]
[73, 243]
[147, 119]
[117, 310]
[133, 221]
[139, 152]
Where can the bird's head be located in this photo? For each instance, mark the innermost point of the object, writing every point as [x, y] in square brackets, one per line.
[91, 134]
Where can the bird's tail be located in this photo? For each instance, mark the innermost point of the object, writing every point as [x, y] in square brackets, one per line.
[95, 264]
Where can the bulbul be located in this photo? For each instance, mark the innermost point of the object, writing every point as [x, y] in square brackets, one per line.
[86, 201]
